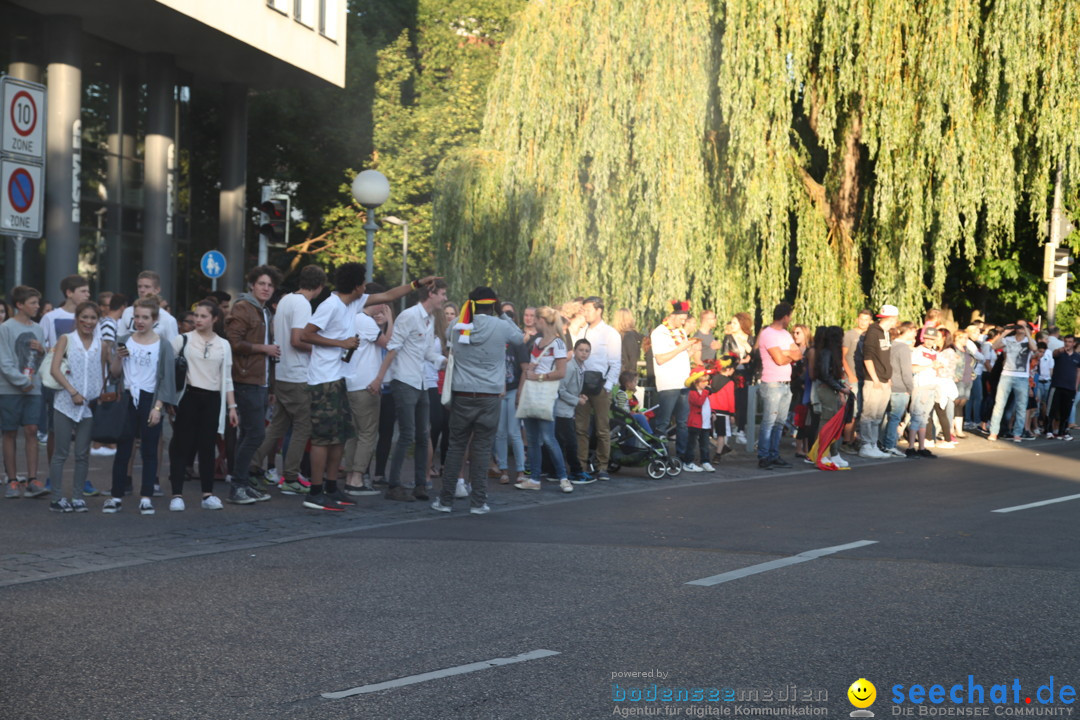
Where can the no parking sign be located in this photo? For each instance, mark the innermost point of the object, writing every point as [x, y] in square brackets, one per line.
[21, 198]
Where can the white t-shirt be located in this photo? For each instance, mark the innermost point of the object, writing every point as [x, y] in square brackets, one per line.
[365, 362]
[335, 321]
[165, 326]
[544, 359]
[293, 312]
[55, 323]
[672, 374]
[140, 367]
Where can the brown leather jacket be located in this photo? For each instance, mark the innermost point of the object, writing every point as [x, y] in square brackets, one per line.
[246, 325]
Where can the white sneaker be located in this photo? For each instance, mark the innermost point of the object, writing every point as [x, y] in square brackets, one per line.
[565, 486]
[437, 506]
[272, 476]
[740, 437]
[870, 451]
[462, 490]
[707, 467]
[146, 507]
[930, 443]
[945, 445]
[103, 451]
[175, 505]
[482, 510]
[839, 461]
[897, 452]
[527, 485]
[212, 503]
[690, 467]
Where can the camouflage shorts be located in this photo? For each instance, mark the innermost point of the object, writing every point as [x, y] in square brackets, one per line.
[331, 418]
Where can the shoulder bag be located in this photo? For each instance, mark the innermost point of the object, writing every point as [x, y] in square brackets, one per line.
[113, 420]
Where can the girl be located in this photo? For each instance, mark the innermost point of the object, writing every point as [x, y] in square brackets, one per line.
[146, 363]
[739, 341]
[204, 403]
[547, 363]
[829, 394]
[698, 422]
[625, 398]
[86, 356]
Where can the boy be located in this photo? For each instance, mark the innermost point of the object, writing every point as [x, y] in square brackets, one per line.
[570, 398]
[22, 347]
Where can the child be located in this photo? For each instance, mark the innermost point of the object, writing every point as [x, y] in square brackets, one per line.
[569, 399]
[722, 403]
[698, 427]
[22, 347]
[626, 400]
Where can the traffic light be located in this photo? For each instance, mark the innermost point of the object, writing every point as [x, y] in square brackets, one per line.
[1056, 262]
[274, 220]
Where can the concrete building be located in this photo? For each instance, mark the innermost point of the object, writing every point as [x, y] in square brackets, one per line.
[120, 75]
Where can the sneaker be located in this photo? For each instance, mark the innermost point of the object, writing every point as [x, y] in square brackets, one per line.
[926, 454]
[482, 510]
[462, 489]
[691, 468]
[239, 496]
[810, 461]
[707, 467]
[762, 464]
[14, 490]
[400, 494]
[992, 438]
[1066, 438]
[839, 461]
[871, 452]
[212, 503]
[945, 445]
[565, 486]
[896, 452]
[359, 490]
[420, 492]
[62, 505]
[780, 463]
[1027, 436]
[527, 485]
[321, 502]
[157, 491]
[437, 506]
[340, 498]
[255, 493]
[112, 505]
[911, 453]
[79, 505]
[103, 451]
[849, 449]
[740, 437]
[1017, 440]
[146, 507]
[89, 490]
[582, 479]
[1051, 436]
[292, 488]
[35, 490]
[43, 438]
[602, 476]
[177, 505]
[272, 477]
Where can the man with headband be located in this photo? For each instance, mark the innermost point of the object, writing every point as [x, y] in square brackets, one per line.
[478, 345]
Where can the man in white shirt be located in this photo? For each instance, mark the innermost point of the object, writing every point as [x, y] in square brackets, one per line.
[332, 334]
[605, 359]
[411, 344]
[149, 283]
[671, 366]
[292, 403]
[374, 326]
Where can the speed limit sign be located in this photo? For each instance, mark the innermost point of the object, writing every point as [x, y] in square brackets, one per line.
[23, 107]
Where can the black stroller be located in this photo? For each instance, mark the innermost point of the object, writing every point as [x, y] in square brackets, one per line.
[631, 446]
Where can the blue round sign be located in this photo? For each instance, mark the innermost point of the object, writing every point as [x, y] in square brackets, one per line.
[213, 264]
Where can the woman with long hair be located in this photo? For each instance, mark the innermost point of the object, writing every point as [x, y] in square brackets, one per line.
[800, 390]
[204, 404]
[546, 364]
[624, 324]
[739, 341]
[147, 364]
[944, 405]
[439, 437]
[86, 357]
[829, 394]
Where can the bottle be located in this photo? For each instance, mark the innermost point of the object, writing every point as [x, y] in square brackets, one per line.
[347, 355]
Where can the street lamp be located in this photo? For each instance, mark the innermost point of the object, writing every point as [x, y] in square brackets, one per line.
[404, 225]
[371, 189]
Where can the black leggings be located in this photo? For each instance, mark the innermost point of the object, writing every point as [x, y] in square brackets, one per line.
[194, 432]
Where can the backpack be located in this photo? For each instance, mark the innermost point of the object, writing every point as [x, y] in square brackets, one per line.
[181, 367]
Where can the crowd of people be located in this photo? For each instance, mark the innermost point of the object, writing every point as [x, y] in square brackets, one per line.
[344, 392]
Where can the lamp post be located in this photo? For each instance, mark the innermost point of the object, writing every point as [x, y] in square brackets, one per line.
[404, 225]
[370, 189]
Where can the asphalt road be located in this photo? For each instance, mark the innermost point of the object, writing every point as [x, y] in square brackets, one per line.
[270, 608]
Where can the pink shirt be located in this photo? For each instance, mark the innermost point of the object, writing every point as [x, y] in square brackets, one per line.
[770, 337]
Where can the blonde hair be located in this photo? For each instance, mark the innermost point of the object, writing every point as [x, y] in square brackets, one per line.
[570, 310]
[623, 320]
[552, 318]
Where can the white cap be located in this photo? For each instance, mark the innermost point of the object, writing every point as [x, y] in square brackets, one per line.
[889, 311]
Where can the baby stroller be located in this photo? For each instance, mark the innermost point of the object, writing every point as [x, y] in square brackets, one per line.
[631, 446]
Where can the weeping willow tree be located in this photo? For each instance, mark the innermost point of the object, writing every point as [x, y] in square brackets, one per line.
[739, 152]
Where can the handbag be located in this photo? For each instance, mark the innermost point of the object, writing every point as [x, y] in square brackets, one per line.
[448, 381]
[181, 367]
[592, 383]
[113, 420]
[537, 400]
[47, 378]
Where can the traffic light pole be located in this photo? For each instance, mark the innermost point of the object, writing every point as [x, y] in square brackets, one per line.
[1055, 242]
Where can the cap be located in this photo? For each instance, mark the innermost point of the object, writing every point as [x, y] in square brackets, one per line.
[696, 374]
[931, 332]
[680, 307]
[889, 311]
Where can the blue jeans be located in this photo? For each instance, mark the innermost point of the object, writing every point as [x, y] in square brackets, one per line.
[509, 430]
[897, 407]
[775, 402]
[543, 432]
[411, 410]
[973, 409]
[1018, 386]
[251, 407]
[677, 403]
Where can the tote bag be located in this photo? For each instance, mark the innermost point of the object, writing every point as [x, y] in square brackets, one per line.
[537, 400]
[113, 420]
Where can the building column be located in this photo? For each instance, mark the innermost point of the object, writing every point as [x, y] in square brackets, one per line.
[25, 65]
[159, 175]
[233, 185]
[64, 158]
[116, 275]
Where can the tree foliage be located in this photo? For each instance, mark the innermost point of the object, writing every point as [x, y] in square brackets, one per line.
[833, 152]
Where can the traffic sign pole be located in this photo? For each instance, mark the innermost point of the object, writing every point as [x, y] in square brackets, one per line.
[22, 164]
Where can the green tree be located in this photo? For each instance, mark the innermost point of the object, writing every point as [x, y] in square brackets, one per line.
[833, 152]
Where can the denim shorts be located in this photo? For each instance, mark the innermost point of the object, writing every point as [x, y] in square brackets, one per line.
[18, 411]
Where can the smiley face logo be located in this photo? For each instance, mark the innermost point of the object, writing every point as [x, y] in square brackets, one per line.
[862, 693]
